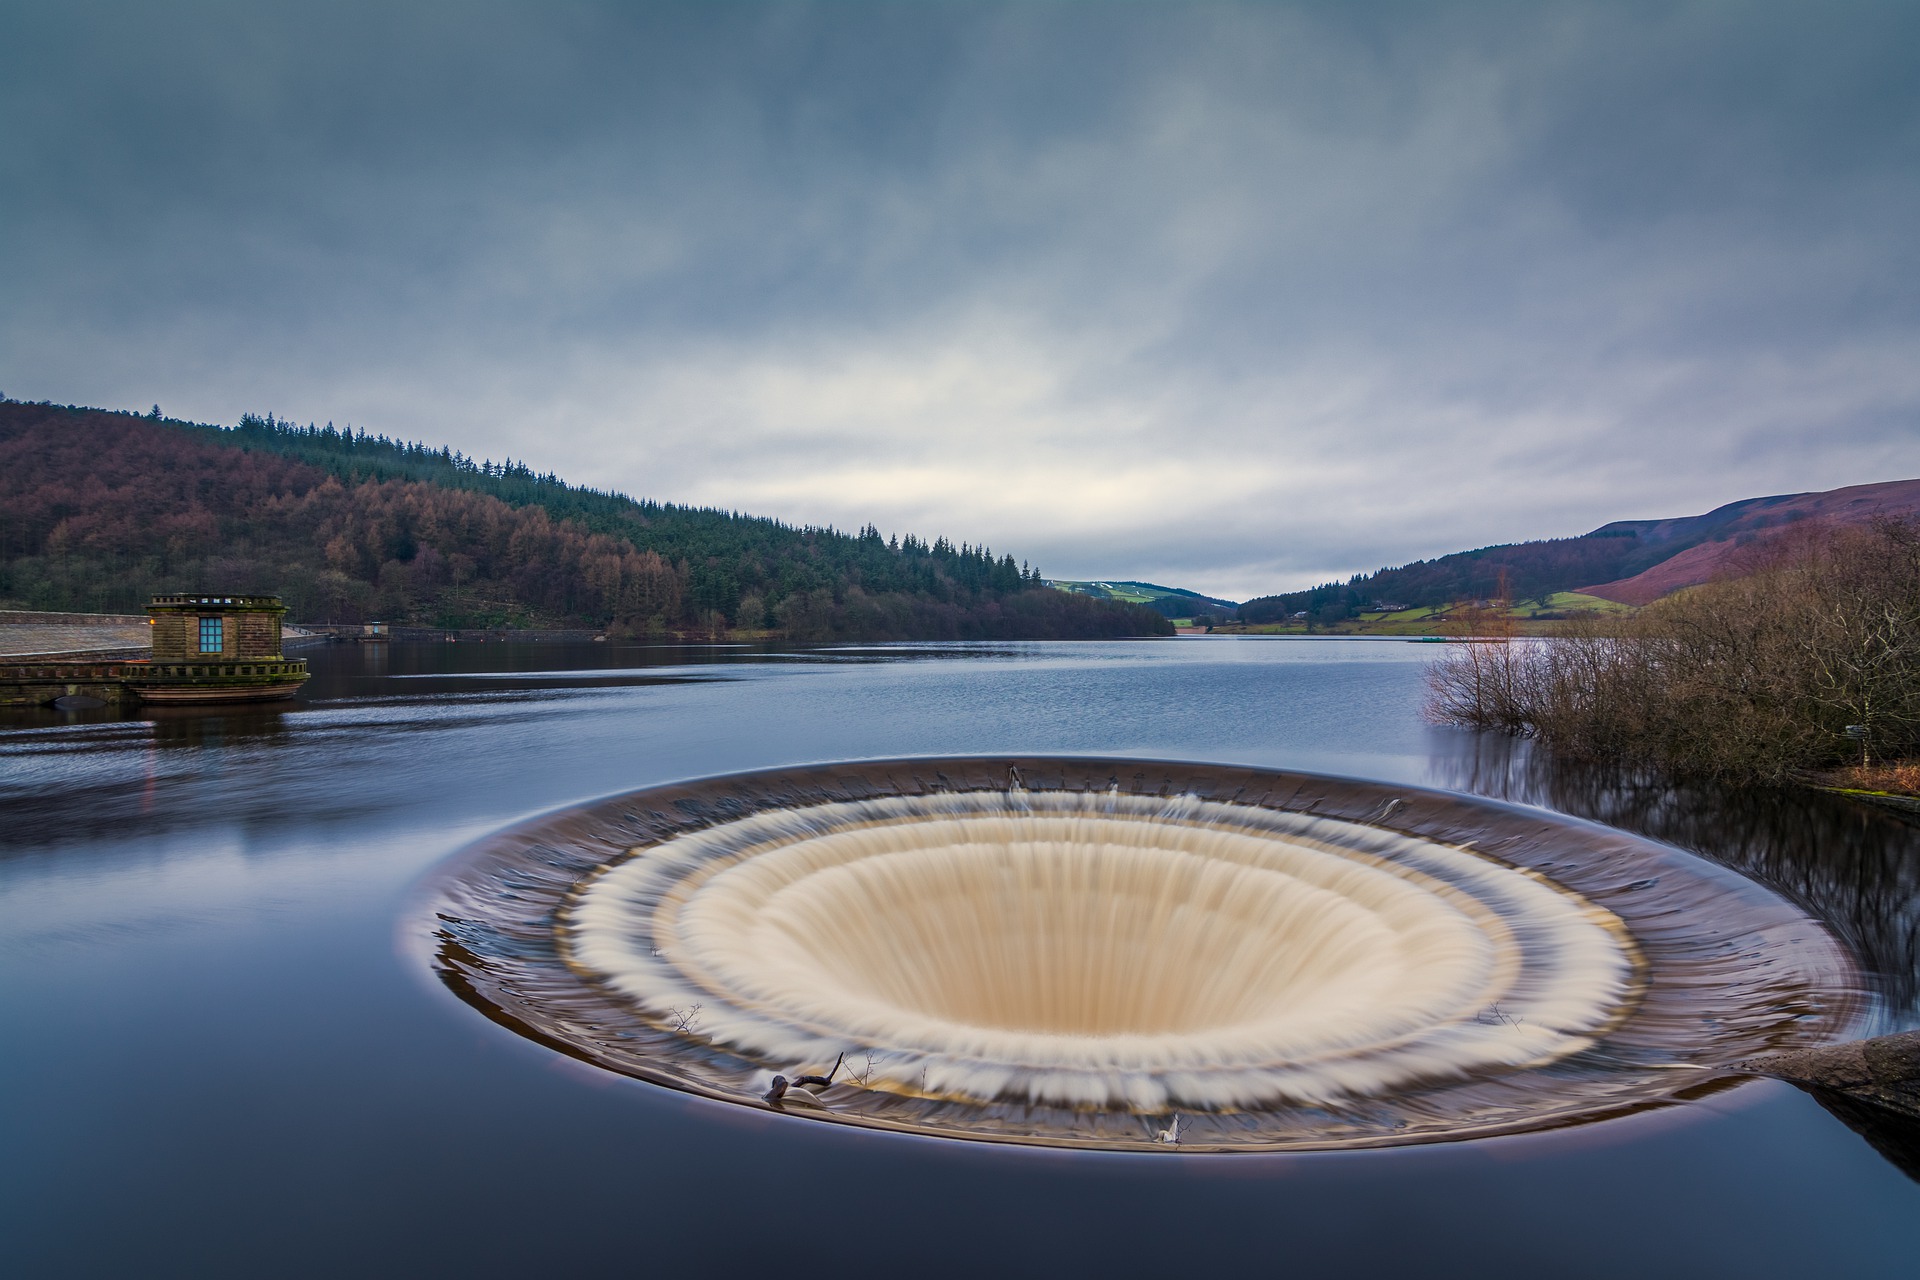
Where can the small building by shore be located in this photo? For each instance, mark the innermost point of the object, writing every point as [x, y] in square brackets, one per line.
[204, 648]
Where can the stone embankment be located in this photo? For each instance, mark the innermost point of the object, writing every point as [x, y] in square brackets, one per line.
[380, 632]
[25, 634]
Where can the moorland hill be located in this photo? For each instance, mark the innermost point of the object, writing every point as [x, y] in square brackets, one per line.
[1629, 562]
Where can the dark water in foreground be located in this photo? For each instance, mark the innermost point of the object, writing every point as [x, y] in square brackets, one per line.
[218, 1056]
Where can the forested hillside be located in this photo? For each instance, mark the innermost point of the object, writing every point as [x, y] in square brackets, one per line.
[1533, 570]
[98, 510]
[1630, 561]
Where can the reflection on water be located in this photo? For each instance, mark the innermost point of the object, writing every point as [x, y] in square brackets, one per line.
[346, 747]
[1854, 866]
[208, 1033]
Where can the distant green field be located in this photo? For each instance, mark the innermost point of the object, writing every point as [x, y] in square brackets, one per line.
[1175, 602]
[1572, 600]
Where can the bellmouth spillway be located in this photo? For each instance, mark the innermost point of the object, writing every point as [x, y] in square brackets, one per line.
[1075, 952]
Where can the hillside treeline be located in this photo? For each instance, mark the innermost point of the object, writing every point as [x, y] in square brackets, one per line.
[98, 510]
[1811, 660]
[1533, 571]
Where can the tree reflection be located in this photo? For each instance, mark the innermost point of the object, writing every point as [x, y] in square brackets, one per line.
[1852, 866]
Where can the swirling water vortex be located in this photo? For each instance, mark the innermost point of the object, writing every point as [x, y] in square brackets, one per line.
[1072, 952]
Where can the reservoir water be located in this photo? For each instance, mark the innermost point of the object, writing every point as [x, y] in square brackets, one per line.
[222, 1056]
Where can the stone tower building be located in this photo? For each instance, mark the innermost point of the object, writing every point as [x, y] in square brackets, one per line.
[216, 648]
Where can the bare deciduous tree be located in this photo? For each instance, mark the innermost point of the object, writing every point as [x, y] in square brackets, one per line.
[1807, 659]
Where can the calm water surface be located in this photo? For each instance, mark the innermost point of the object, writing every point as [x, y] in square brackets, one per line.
[219, 1057]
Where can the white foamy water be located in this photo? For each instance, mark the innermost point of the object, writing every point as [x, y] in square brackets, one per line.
[1102, 950]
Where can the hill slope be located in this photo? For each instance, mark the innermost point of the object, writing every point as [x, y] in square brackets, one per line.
[1712, 545]
[1170, 602]
[1632, 561]
[97, 510]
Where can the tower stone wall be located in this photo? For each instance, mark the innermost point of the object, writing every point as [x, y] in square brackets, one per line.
[248, 627]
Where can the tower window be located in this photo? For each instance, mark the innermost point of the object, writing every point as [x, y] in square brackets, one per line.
[212, 635]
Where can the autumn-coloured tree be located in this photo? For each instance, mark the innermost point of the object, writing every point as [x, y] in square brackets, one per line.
[98, 510]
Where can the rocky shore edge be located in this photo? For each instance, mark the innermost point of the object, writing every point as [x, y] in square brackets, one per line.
[1872, 1086]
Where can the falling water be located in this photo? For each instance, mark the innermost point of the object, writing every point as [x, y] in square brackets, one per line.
[1100, 950]
[1283, 961]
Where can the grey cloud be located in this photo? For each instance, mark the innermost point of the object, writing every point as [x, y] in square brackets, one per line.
[1238, 296]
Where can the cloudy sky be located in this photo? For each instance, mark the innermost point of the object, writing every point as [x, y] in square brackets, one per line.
[1238, 297]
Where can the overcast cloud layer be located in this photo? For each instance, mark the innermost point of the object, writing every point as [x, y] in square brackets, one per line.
[1234, 297]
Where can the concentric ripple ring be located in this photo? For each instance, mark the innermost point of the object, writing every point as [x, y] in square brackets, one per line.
[1073, 952]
